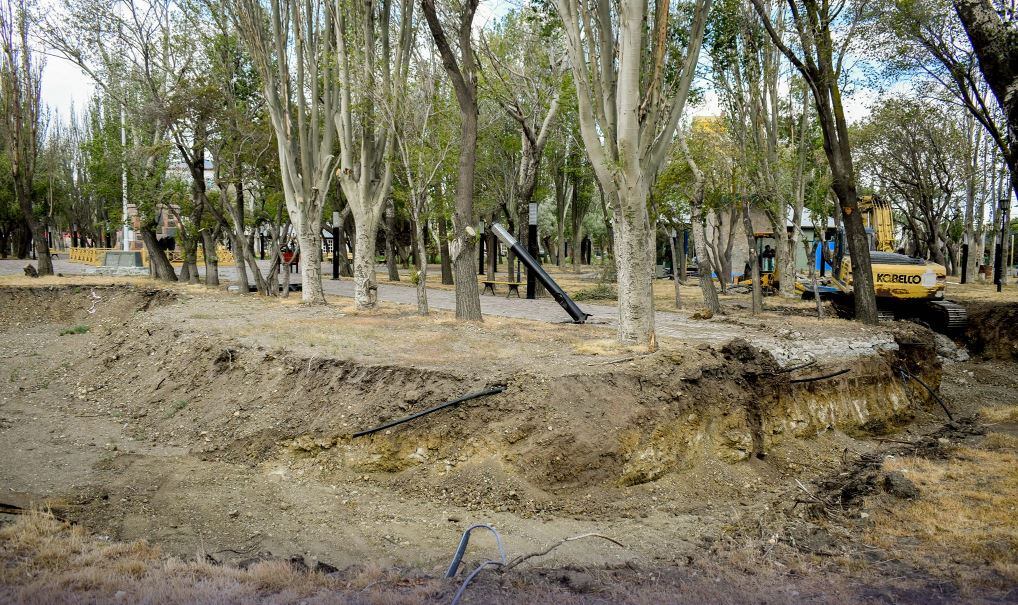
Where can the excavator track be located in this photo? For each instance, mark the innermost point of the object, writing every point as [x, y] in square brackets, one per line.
[941, 316]
[947, 316]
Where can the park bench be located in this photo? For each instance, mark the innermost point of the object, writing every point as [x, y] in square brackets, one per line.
[514, 286]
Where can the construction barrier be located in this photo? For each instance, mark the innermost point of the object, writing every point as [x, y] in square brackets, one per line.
[225, 256]
[91, 256]
[96, 256]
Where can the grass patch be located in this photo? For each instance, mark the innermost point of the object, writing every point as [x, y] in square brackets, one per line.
[80, 329]
[176, 407]
[601, 291]
[966, 515]
[998, 414]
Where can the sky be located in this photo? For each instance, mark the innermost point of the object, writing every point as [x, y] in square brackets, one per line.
[64, 85]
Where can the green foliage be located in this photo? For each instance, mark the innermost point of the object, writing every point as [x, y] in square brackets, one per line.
[600, 291]
[80, 329]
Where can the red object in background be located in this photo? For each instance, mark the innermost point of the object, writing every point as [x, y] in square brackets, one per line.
[287, 257]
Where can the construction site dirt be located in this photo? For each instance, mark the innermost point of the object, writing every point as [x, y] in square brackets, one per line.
[181, 431]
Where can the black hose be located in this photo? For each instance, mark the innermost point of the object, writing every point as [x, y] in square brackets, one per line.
[824, 377]
[492, 391]
[931, 392]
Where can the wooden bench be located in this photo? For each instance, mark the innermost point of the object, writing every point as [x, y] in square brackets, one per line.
[514, 286]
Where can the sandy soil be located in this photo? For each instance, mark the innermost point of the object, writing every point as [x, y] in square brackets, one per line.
[205, 424]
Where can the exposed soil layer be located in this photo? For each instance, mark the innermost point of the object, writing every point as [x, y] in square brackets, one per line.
[161, 414]
[992, 329]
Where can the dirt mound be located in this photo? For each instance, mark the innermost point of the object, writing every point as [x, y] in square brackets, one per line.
[992, 329]
[227, 435]
[76, 304]
[533, 448]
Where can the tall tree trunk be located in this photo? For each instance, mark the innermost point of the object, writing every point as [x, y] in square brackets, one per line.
[365, 246]
[493, 246]
[43, 260]
[422, 259]
[634, 266]
[309, 237]
[390, 243]
[161, 267]
[703, 266]
[675, 271]
[345, 266]
[208, 243]
[754, 262]
[443, 251]
[464, 258]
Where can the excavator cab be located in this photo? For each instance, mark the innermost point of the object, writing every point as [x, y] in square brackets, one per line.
[770, 274]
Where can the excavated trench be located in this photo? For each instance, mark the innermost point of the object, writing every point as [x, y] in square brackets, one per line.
[992, 330]
[548, 437]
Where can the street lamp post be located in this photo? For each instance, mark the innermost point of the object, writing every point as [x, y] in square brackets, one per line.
[533, 248]
[335, 247]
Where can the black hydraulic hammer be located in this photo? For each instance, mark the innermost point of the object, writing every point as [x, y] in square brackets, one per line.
[542, 276]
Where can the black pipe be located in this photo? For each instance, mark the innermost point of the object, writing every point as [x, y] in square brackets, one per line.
[943, 405]
[542, 276]
[467, 397]
[824, 377]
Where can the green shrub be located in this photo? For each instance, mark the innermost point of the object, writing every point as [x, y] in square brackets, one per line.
[600, 291]
[75, 330]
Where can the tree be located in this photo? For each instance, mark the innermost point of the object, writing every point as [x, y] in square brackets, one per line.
[134, 54]
[20, 82]
[924, 39]
[915, 154]
[365, 36]
[462, 71]
[994, 37]
[695, 195]
[290, 45]
[525, 69]
[629, 103]
[821, 62]
[422, 144]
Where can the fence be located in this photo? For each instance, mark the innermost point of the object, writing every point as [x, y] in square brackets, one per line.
[96, 256]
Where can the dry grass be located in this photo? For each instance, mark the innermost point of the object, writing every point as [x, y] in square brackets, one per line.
[965, 524]
[73, 280]
[1000, 414]
[43, 560]
[981, 292]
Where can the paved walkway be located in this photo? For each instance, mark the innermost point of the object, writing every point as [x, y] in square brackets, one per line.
[673, 325]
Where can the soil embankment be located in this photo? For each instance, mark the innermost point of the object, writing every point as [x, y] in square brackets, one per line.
[191, 421]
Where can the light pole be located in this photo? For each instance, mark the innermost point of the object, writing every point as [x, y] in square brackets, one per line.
[998, 260]
[335, 247]
[533, 249]
[964, 257]
[123, 174]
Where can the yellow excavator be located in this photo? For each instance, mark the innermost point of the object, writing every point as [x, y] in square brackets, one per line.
[770, 275]
[906, 287]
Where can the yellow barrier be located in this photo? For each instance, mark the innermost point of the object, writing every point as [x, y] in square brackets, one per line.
[91, 256]
[96, 256]
[225, 256]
